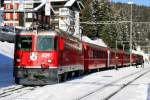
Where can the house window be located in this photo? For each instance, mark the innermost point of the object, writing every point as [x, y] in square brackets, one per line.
[7, 6]
[15, 6]
[15, 15]
[7, 15]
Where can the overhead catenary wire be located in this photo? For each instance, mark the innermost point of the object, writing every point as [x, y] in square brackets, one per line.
[111, 22]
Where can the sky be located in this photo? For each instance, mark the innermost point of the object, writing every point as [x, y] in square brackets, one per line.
[139, 2]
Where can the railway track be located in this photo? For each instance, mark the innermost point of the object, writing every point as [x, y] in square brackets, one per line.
[137, 74]
[15, 91]
[10, 89]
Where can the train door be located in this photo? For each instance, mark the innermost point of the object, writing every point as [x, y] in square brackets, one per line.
[86, 57]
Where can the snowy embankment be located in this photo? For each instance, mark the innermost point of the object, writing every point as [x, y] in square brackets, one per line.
[7, 49]
[96, 86]
[6, 64]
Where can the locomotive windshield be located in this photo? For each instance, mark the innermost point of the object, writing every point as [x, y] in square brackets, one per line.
[45, 43]
[23, 42]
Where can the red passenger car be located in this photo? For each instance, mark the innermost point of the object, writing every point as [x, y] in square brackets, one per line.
[126, 59]
[46, 57]
[115, 58]
[134, 59]
[95, 57]
[139, 60]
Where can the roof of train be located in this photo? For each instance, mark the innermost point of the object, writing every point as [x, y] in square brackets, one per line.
[94, 45]
[49, 32]
[64, 34]
[96, 41]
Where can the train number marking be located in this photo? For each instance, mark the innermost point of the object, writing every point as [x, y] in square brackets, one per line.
[46, 55]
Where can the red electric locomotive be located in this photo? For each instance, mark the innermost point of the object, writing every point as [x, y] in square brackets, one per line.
[46, 57]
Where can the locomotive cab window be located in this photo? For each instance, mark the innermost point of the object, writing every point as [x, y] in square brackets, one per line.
[23, 42]
[45, 43]
[56, 43]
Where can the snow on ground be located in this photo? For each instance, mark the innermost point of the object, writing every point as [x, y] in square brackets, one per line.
[6, 64]
[96, 82]
[138, 90]
[7, 49]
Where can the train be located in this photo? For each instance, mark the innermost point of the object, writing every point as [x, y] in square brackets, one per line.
[52, 56]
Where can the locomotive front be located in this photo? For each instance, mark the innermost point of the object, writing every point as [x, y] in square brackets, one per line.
[36, 58]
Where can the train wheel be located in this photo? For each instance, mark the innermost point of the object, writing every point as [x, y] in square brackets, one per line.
[116, 67]
[63, 77]
[79, 73]
[17, 80]
[59, 78]
[87, 72]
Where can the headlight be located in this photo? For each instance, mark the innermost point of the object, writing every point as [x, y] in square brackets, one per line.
[17, 60]
[50, 61]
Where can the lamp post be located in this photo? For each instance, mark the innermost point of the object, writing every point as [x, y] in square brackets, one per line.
[139, 35]
[123, 46]
[131, 24]
[96, 16]
[24, 3]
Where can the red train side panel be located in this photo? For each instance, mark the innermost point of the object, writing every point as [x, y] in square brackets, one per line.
[95, 57]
